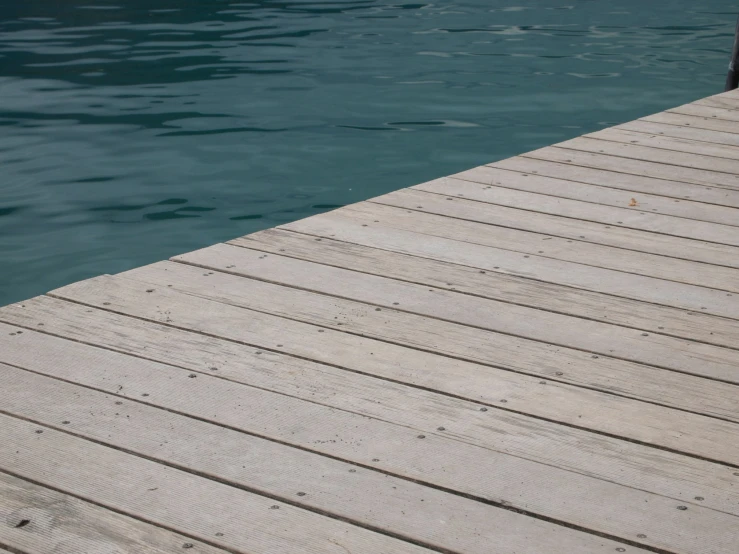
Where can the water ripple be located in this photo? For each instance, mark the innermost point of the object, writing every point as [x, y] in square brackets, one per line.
[134, 131]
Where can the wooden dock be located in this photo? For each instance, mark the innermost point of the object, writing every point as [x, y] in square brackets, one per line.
[540, 355]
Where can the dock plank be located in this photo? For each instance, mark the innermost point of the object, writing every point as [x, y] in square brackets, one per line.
[705, 151]
[396, 506]
[60, 523]
[468, 203]
[496, 286]
[209, 511]
[639, 167]
[650, 514]
[606, 178]
[630, 200]
[698, 435]
[632, 151]
[707, 111]
[693, 122]
[706, 396]
[382, 396]
[725, 101]
[464, 242]
[535, 194]
[695, 134]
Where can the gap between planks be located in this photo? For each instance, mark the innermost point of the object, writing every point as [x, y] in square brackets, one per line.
[428, 235]
[472, 207]
[374, 258]
[709, 196]
[530, 324]
[699, 436]
[525, 178]
[367, 389]
[38, 520]
[187, 440]
[175, 499]
[327, 486]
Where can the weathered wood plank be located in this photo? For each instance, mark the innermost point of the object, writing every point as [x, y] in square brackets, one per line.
[632, 151]
[636, 167]
[469, 242]
[700, 110]
[39, 520]
[515, 190]
[636, 466]
[468, 202]
[497, 286]
[428, 459]
[624, 200]
[704, 150]
[207, 510]
[727, 99]
[693, 122]
[613, 179]
[332, 487]
[704, 396]
[644, 126]
[644, 422]
[723, 100]
[629, 228]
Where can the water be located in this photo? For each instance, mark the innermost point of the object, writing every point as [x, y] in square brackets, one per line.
[133, 130]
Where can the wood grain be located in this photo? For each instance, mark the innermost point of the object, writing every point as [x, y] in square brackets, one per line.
[39, 520]
[369, 386]
[497, 286]
[470, 202]
[624, 227]
[693, 122]
[676, 130]
[464, 242]
[699, 435]
[612, 179]
[695, 147]
[209, 511]
[637, 167]
[332, 487]
[705, 396]
[695, 159]
[428, 459]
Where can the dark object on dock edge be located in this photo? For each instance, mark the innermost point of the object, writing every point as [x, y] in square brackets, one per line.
[732, 79]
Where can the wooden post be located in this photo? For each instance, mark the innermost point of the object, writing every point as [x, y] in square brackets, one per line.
[732, 79]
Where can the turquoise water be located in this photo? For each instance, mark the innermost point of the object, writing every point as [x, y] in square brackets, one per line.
[133, 130]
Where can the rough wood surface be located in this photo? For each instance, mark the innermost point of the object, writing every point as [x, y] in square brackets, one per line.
[703, 395]
[497, 286]
[706, 151]
[648, 423]
[332, 487]
[39, 520]
[724, 100]
[707, 111]
[184, 444]
[463, 242]
[638, 167]
[207, 510]
[625, 200]
[695, 134]
[469, 202]
[498, 428]
[612, 179]
[685, 158]
[693, 122]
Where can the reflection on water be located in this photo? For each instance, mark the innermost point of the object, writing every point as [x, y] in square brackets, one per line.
[133, 130]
